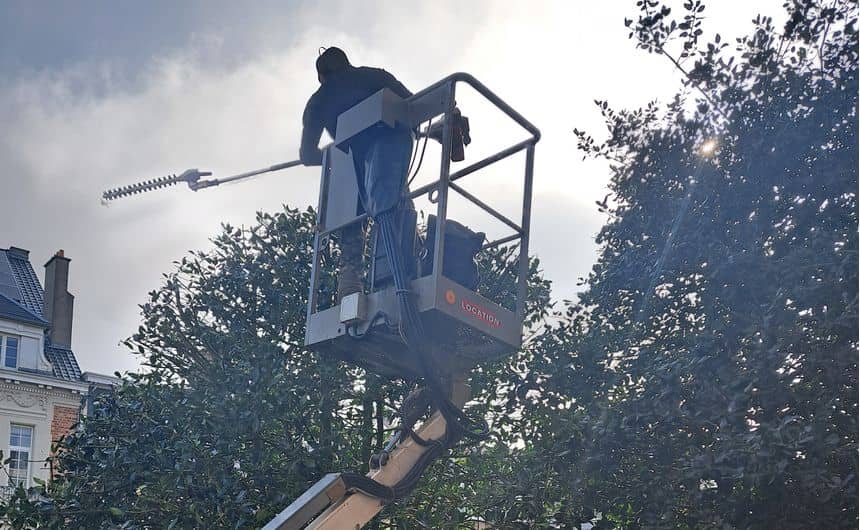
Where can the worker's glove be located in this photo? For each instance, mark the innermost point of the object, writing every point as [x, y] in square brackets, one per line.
[460, 135]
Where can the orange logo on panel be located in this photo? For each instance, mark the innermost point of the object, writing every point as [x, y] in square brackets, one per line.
[450, 297]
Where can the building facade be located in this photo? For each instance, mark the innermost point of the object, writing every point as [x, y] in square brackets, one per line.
[42, 388]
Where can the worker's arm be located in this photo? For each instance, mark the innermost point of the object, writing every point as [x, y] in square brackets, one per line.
[312, 128]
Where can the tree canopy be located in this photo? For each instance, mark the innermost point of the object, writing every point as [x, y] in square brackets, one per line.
[713, 354]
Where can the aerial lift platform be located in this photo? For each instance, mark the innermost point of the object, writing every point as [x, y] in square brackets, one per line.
[464, 328]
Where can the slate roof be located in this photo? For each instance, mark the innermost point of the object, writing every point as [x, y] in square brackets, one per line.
[63, 362]
[26, 281]
[22, 300]
[15, 311]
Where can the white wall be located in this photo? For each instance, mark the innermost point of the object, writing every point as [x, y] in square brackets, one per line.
[27, 404]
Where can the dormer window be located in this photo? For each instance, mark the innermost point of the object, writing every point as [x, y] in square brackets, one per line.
[9, 350]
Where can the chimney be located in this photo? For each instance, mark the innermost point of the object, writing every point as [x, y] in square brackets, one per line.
[22, 253]
[59, 303]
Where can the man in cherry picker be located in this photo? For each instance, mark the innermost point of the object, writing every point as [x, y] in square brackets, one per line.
[381, 154]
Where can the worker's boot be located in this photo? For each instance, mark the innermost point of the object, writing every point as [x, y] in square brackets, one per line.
[348, 282]
[351, 256]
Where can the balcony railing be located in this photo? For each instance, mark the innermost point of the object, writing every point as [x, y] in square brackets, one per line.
[6, 492]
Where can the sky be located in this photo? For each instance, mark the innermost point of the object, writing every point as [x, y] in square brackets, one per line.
[94, 95]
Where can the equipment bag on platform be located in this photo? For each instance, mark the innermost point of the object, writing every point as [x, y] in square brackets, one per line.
[461, 247]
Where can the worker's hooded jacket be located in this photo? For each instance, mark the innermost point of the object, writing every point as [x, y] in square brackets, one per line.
[381, 155]
[341, 91]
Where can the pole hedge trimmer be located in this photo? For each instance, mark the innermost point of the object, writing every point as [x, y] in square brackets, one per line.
[191, 177]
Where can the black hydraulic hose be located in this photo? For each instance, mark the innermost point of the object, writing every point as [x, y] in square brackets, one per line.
[420, 159]
[457, 424]
[412, 329]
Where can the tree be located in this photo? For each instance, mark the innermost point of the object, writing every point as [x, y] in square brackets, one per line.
[233, 418]
[711, 362]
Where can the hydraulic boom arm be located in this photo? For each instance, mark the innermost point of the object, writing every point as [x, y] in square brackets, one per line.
[344, 509]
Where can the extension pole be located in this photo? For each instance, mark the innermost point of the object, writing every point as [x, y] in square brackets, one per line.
[215, 182]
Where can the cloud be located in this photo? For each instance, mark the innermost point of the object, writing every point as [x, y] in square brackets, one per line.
[66, 148]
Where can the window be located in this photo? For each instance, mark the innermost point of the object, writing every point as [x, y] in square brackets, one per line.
[9, 349]
[10, 358]
[20, 442]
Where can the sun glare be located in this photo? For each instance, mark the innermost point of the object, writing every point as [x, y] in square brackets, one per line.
[708, 147]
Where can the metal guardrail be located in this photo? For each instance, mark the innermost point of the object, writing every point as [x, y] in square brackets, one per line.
[427, 102]
[6, 492]
[446, 178]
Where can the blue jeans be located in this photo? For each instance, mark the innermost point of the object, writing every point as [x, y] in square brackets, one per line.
[381, 167]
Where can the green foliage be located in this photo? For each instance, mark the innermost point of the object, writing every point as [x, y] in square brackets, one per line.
[232, 418]
[713, 356]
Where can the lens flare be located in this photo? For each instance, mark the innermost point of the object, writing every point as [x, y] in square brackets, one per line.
[708, 147]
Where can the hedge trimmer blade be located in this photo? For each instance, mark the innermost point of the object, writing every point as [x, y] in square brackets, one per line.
[191, 176]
